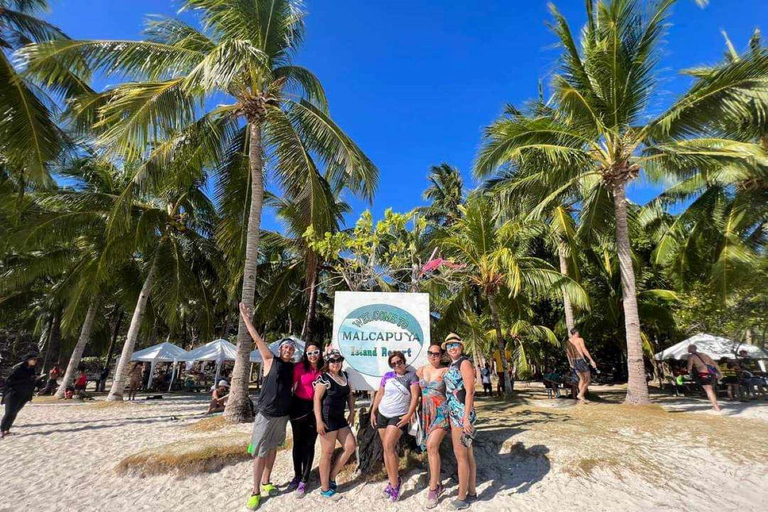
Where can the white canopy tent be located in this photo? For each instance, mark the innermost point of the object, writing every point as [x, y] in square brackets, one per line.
[274, 348]
[161, 353]
[714, 346]
[218, 351]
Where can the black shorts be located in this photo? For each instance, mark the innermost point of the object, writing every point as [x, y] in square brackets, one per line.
[383, 422]
[580, 365]
[730, 380]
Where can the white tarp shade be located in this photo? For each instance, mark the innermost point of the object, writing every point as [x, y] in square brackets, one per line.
[217, 351]
[274, 348]
[714, 346]
[161, 353]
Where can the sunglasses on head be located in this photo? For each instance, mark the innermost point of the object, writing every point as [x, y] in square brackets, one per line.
[313, 353]
[449, 346]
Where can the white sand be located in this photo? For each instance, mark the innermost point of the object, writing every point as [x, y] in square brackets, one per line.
[63, 458]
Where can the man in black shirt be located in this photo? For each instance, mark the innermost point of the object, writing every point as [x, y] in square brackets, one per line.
[19, 388]
[274, 405]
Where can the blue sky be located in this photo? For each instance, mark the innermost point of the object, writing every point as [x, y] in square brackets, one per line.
[414, 82]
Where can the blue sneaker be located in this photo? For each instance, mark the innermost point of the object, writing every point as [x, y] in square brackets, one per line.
[333, 485]
[331, 494]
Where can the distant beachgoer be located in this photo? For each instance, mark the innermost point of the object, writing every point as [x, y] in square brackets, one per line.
[302, 415]
[729, 372]
[134, 380]
[393, 407]
[577, 353]
[706, 372]
[434, 417]
[219, 397]
[50, 386]
[274, 408]
[753, 383]
[501, 386]
[332, 394]
[460, 390]
[102, 382]
[19, 389]
[485, 378]
[551, 379]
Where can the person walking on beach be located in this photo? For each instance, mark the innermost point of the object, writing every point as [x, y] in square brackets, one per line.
[393, 407]
[219, 397]
[302, 415]
[706, 372]
[485, 378]
[332, 394]
[577, 353]
[460, 391]
[134, 380]
[501, 386]
[19, 389]
[434, 417]
[274, 406]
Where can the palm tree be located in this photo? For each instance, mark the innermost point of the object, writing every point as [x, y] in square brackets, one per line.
[30, 140]
[497, 262]
[602, 90]
[446, 193]
[244, 55]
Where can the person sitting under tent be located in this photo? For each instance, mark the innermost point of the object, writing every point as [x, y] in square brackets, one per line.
[219, 397]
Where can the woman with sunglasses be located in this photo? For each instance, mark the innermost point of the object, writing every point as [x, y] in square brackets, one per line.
[302, 415]
[434, 417]
[332, 394]
[391, 413]
[460, 390]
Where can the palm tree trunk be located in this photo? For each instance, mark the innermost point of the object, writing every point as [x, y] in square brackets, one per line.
[567, 306]
[118, 383]
[637, 388]
[307, 332]
[112, 342]
[502, 346]
[44, 343]
[77, 352]
[238, 410]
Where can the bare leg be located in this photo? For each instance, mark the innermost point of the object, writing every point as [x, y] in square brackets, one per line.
[349, 445]
[269, 462]
[327, 444]
[433, 456]
[391, 436]
[258, 471]
[471, 484]
[712, 396]
[462, 459]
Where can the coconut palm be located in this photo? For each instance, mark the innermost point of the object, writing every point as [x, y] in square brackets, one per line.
[497, 262]
[243, 54]
[30, 140]
[602, 91]
[446, 194]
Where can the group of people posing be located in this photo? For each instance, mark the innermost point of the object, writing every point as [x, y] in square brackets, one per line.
[315, 395]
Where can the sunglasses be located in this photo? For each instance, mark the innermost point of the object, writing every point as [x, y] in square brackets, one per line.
[313, 353]
[398, 363]
[449, 346]
[336, 360]
[433, 354]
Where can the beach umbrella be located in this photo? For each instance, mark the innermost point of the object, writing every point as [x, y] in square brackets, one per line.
[274, 348]
[161, 353]
[714, 346]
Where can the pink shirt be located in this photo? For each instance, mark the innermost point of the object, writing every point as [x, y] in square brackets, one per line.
[303, 380]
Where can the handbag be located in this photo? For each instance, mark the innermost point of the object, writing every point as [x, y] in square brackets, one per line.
[415, 428]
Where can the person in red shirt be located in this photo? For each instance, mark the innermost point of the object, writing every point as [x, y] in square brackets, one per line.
[81, 381]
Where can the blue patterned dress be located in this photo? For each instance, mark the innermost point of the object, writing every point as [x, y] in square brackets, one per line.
[454, 387]
[434, 407]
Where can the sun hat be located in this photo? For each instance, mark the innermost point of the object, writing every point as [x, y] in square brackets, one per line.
[31, 355]
[452, 338]
[224, 383]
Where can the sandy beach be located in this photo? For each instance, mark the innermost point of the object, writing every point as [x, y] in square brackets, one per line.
[535, 454]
